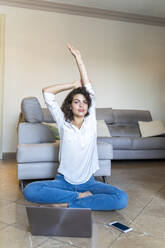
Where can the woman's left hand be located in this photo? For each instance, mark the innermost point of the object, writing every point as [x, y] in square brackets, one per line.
[73, 51]
[77, 84]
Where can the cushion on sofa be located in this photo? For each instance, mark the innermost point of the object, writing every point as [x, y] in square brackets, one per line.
[151, 128]
[102, 129]
[31, 110]
[53, 127]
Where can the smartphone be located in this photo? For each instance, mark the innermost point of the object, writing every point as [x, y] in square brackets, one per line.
[120, 227]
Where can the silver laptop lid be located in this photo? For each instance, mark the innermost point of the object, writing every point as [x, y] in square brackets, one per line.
[52, 221]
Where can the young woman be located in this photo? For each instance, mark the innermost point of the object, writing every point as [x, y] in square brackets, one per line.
[74, 185]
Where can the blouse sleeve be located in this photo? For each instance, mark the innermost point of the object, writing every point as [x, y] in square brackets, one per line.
[54, 108]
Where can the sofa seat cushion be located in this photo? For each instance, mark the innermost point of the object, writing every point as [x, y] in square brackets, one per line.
[135, 143]
[118, 142]
[148, 143]
[46, 152]
[119, 130]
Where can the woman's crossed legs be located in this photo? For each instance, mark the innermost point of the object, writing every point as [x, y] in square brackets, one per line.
[92, 194]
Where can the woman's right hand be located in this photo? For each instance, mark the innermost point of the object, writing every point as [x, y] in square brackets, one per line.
[77, 84]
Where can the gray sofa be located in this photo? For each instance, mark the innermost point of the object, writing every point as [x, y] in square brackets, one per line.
[126, 138]
[37, 150]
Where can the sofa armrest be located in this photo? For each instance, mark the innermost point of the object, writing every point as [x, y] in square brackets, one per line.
[30, 153]
[34, 133]
[105, 150]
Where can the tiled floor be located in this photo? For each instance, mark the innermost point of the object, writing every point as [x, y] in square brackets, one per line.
[144, 181]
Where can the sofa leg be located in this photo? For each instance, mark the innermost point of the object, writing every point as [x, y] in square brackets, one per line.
[105, 179]
[21, 185]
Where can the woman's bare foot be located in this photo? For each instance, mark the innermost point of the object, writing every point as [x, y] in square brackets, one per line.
[65, 205]
[85, 194]
[60, 205]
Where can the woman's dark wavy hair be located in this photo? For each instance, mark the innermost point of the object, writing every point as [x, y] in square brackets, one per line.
[68, 100]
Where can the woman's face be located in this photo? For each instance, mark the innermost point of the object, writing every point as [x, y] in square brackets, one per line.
[79, 105]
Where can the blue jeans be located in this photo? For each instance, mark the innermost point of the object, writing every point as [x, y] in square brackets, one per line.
[105, 196]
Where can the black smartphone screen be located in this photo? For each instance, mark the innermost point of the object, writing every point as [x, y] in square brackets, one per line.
[120, 226]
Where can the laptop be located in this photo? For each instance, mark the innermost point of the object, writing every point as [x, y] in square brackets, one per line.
[52, 221]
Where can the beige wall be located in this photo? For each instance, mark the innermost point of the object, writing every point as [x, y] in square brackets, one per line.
[2, 36]
[125, 61]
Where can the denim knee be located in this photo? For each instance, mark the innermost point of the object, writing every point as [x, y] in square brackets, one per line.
[30, 192]
[123, 201]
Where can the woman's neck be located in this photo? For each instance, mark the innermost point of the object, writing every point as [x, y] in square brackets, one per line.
[78, 122]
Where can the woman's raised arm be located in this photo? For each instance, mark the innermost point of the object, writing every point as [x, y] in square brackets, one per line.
[80, 64]
[57, 88]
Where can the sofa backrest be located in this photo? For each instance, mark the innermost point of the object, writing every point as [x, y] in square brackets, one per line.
[125, 122]
[120, 122]
[33, 113]
[105, 114]
[123, 116]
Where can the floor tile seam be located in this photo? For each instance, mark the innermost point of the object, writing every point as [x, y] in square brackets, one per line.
[7, 225]
[136, 232]
[10, 202]
[66, 242]
[117, 236]
[5, 199]
[114, 241]
[21, 204]
[140, 202]
[15, 226]
[129, 217]
[106, 224]
[120, 235]
[26, 231]
[4, 222]
[155, 236]
[98, 222]
[38, 245]
[161, 188]
[142, 210]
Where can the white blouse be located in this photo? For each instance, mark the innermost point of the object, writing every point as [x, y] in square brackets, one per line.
[78, 147]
